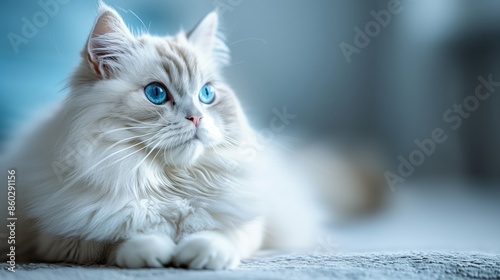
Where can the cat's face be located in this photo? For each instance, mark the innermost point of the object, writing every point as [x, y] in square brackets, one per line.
[162, 94]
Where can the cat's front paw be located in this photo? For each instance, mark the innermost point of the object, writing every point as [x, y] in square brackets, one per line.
[206, 250]
[152, 250]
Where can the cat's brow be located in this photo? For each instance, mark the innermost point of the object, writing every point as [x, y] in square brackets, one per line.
[172, 65]
[168, 70]
[184, 56]
[178, 60]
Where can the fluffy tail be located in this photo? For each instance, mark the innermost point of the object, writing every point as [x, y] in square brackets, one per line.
[349, 183]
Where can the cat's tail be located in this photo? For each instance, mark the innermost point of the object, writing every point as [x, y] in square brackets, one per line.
[314, 186]
[348, 182]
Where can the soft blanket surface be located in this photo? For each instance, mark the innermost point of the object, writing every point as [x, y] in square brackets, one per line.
[401, 265]
[422, 234]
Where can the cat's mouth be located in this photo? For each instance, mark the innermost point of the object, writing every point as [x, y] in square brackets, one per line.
[187, 142]
[196, 139]
[186, 152]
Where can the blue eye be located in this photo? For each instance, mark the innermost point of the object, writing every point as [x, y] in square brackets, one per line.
[207, 94]
[156, 93]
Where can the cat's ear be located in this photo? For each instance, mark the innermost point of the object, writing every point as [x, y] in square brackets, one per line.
[206, 37]
[108, 42]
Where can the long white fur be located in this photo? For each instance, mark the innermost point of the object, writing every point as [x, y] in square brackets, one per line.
[111, 177]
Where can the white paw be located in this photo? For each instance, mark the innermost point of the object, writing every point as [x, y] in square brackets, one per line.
[206, 250]
[152, 250]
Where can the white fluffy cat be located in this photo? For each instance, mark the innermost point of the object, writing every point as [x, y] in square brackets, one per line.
[149, 161]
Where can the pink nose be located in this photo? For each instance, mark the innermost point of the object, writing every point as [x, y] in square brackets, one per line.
[195, 119]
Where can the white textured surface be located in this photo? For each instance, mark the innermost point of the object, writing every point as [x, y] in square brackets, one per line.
[404, 265]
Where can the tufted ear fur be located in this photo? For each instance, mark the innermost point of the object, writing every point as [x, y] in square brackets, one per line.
[206, 37]
[108, 42]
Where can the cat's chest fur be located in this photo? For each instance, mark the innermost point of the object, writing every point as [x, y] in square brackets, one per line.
[207, 196]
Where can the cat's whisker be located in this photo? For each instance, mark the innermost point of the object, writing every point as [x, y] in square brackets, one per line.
[230, 146]
[162, 117]
[231, 142]
[230, 139]
[132, 153]
[125, 128]
[147, 155]
[142, 22]
[124, 149]
[89, 170]
[152, 161]
[134, 120]
[127, 139]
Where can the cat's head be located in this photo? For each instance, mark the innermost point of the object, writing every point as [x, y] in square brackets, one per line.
[163, 94]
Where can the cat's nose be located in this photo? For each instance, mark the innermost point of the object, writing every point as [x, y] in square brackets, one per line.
[195, 119]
